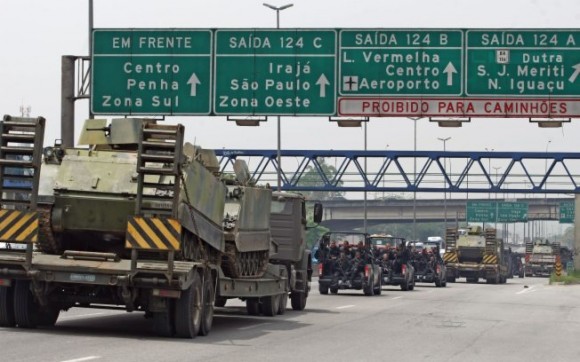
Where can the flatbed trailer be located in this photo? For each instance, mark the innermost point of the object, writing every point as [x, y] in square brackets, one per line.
[86, 279]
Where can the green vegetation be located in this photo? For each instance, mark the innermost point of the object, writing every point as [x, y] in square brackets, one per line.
[572, 278]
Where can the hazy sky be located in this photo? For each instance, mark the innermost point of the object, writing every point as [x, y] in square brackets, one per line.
[35, 33]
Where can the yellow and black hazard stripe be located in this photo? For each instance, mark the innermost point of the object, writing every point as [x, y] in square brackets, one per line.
[18, 226]
[450, 258]
[490, 259]
[558, 268]
[153, 233]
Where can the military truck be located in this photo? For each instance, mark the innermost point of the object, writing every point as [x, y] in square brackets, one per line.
[541, 257]
[474, 253]
[346, 262]
[288, 228]
[136, 219]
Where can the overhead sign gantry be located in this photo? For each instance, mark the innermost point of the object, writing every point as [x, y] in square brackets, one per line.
[337, 72]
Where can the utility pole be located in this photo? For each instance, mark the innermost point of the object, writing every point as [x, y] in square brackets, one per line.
[279, 130]
[444, 140]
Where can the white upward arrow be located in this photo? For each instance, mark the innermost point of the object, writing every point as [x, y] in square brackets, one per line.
[194, 81]
[322, 82]
[575, 74]
[450, 69]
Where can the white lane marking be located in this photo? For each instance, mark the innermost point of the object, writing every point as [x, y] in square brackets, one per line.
[254, 326]
[399, 297]
[80, 316]
[88, 358]
[527, 290]
[345, 306]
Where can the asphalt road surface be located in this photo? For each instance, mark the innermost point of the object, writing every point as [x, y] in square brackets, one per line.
[463, 322]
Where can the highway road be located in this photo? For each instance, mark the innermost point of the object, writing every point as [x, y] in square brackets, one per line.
[463, 322]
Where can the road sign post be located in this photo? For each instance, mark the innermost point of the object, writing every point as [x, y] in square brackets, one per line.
[151, 72]
[275, 72]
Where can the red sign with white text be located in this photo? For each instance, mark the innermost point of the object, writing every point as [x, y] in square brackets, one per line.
[458, 107]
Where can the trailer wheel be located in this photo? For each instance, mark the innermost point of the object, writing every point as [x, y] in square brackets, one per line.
[188, 310]
[269, 305]
[163, 322]
[322, 289]
[7, 307]
[253, 306]
[283, 303]
[25, 307]
[208, 302]
[298, 300]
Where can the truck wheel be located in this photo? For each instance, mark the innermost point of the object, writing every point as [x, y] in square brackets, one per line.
[322, 289]
[163, 322]
[369, 289]
[188, 310]
[269, 305]
[378, 290]
[253, 306]
[208, 301]
[405, 286]
[283, 299]
[7, 307]
[220, 302]
[438, 283]
[412, 285]
[25, 307]
[298, 300]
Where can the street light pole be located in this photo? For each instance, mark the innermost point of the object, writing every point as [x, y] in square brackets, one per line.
[489, 171]
[496, 168]
[444, 140]
[279, 131]
[546, 167]
[365, 169]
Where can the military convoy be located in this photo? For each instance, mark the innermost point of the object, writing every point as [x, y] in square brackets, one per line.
[540, 258]
[346, 262]
[475, 254]
[139, 220]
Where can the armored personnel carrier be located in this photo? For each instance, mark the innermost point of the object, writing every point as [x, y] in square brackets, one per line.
[134, 218]
[474, 253]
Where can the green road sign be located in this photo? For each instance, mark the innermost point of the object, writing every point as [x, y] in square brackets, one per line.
[401, 62]
[149, 71]
[478, 211]
[512, 212]
[567, 212]
[523, 63]
[275, 72]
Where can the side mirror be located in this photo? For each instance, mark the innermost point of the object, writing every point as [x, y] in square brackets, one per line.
[318, 212]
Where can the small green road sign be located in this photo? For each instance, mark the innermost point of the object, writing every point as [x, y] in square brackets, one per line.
[384, 62]
[151, 72]
[523, 63]
[275, 72]
[567, 212]
[512, 212]
[480, 211]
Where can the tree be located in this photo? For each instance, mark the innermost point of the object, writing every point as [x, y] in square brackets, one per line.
[311, 177]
